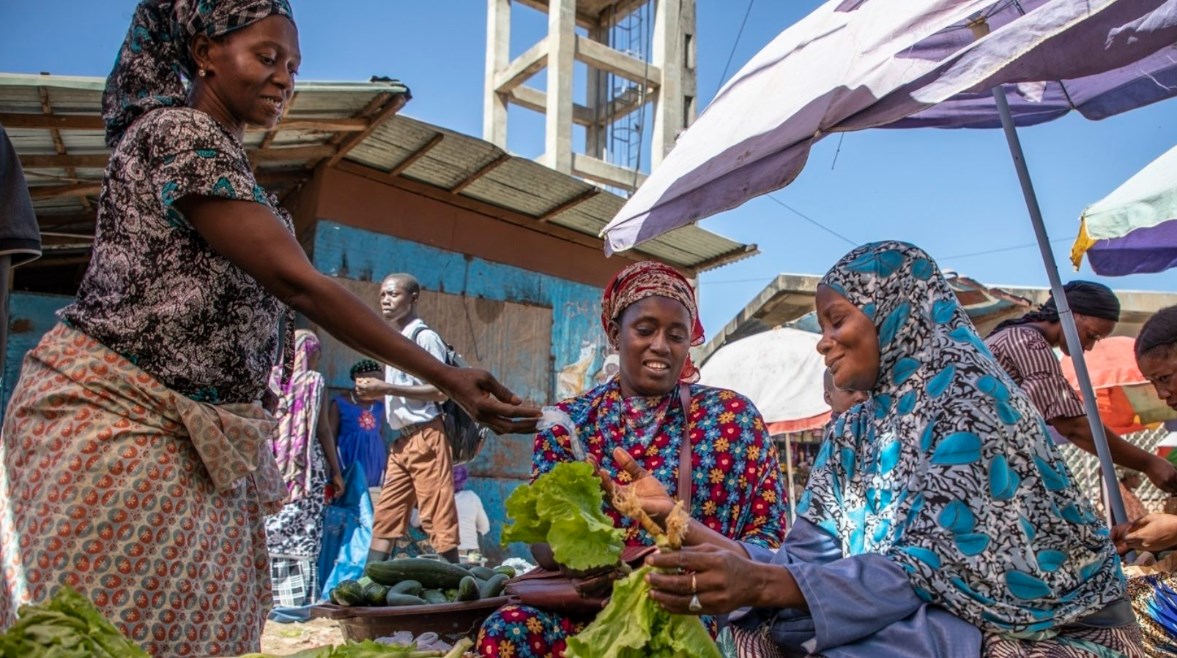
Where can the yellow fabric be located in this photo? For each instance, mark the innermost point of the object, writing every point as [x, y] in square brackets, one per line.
[1083, 242]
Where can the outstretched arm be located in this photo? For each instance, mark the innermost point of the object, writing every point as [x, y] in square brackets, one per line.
[250, 236]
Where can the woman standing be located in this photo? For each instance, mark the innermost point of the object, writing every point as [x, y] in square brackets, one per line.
[356, 424]
[306, 456]
[135, 460]
[650, 317]
[1025, 349]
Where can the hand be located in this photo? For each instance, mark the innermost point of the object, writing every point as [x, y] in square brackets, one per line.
[722, 580]
[368, 388]
[1154, 532]
[338, 485]
[650, 492]
[1163, 474]
[488, 401]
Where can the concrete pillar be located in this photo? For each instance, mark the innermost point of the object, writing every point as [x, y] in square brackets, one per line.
[596, 98]
[498, 43]
[674, 54]
[561, 57]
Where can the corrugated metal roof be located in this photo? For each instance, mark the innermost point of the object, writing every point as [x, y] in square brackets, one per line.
[321, 117]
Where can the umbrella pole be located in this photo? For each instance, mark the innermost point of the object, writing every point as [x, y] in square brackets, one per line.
[1066, 317]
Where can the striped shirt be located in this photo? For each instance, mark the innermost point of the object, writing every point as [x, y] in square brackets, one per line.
[1024, 353]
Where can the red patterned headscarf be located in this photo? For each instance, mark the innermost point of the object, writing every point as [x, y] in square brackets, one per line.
[648, 279]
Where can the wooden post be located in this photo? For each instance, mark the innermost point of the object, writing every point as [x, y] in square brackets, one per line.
[789, 488]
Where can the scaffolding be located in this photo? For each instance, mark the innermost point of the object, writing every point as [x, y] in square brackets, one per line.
[640, 86]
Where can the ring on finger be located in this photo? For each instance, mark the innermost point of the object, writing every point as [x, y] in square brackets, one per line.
[694, 588]
[694, 605]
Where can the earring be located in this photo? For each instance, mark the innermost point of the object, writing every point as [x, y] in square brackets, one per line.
[201, 72]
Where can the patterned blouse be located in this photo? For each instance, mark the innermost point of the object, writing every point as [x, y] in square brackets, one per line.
[155, 291]
[735, 476]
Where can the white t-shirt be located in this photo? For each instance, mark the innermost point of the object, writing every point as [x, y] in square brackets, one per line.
[472, 519]
[403, 411]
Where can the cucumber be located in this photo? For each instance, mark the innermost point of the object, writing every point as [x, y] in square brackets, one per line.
[467, 589]
[434, 596]
[430, 573]
[349, 593]
[374, 593]
[482, 572]
[451, 595]
[504, 569]
[493, 587]
[395, 599]
[410, 587]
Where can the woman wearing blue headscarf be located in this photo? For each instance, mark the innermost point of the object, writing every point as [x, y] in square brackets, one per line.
[135, 465]
[939, 519]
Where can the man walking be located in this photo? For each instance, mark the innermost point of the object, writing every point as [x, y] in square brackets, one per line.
[419, 470]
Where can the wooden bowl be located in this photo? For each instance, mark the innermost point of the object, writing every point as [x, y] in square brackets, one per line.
[451, 621]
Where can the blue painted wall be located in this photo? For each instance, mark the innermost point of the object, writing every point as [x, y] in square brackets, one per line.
[361, 255]
[30, 315]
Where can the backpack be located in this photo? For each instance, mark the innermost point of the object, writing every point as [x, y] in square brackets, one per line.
[465, 435]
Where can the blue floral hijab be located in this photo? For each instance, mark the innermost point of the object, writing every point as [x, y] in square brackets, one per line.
[154, 58]
[948, 469]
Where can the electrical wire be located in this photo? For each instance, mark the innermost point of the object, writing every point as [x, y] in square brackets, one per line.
[747, 13]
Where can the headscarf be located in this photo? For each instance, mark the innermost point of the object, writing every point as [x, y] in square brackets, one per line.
[461, 474]
[365, 367]
[155, 55]
[648, 279]
[1084, 297]
[297, 415]
[948, 470]
[1158, 331]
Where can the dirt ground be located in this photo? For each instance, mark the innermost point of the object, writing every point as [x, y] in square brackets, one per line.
[285, 639]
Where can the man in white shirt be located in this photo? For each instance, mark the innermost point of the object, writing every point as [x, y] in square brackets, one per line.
[420, 470]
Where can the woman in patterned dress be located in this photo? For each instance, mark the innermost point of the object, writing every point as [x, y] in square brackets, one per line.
[307, 457]
[939, 519]
[650, 317]
[134, 460]
[356, 425]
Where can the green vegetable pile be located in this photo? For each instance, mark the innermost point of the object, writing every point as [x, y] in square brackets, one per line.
[66, 626]
[370, 649]
[633, 626]
[563, 508]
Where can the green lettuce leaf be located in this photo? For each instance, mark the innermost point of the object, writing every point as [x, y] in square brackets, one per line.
[563, 508]
[66, 626]
[634, 626]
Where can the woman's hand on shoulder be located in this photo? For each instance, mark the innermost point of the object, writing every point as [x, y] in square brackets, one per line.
[488, 401]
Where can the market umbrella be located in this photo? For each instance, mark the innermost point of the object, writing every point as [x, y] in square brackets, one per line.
[855, 64]
[1134, 229]
[1126, 400]
[780, 371]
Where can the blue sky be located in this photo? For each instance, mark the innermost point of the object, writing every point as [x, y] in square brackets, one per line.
[954, 193]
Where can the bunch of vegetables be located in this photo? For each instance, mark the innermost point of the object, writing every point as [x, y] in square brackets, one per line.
[370, 649]
[65, 626]
[418, 581]
[564, 508]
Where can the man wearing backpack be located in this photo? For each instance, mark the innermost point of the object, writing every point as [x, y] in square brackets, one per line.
[420, 468]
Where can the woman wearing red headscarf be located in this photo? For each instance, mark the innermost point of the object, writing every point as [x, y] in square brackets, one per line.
[651, 319]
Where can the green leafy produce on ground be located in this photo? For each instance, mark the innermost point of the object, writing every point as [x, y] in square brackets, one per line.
[634, 626]
[66, 626]
[563, 508]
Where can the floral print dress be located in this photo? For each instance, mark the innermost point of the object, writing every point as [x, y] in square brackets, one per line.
[736, 487]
